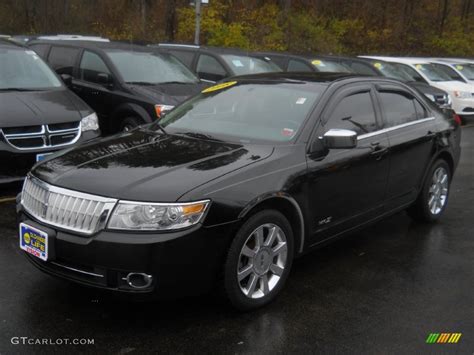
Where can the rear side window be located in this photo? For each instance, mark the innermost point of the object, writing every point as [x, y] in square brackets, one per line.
[62, 59]
[354, 112]
[362, 69]
[398, 108]
[40, 49]
[92, 65]
[298, 65]
[208, 68]
[185, 57]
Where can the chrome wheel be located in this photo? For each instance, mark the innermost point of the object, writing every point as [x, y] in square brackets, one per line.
[262, 261]
[438, 192]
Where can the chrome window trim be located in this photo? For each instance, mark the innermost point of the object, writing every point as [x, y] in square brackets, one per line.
[109, 205]
[389, 129]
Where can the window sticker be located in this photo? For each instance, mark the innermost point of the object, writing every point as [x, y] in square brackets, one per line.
[301, 101]
[219, 87]
[418, 66]
[287, 132]
[237, 63]
[318, 63]
[459, 67]
[378, 65]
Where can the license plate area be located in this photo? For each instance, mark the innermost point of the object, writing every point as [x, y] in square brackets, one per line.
[34, 241]
[42, 156]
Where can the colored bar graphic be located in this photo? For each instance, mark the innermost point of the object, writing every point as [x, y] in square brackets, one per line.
[443, 338]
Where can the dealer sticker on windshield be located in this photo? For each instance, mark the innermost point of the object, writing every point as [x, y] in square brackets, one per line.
[219, 87]
[34, 241]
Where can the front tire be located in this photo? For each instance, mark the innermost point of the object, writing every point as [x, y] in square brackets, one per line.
[433, 197]
[130, 123]
[259, 260]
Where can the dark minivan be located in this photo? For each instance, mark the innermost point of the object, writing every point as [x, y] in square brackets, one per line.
[236, 182]
[38, 114]
[213, 64]
[126, 84]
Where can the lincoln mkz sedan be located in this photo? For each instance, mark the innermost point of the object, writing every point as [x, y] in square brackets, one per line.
[234, 184]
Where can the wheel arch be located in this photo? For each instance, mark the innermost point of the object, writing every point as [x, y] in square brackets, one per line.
[126, 110]
[285, 204]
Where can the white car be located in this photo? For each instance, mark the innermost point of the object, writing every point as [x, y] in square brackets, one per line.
[462, 70]
[462, 94]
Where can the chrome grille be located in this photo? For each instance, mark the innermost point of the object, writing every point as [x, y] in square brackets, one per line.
[59, 207]
[45, 136]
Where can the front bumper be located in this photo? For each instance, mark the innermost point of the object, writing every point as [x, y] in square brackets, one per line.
[463, 107]
[181, 263]
[15, 163]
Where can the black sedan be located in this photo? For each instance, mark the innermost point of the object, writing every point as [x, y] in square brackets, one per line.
[236, 182]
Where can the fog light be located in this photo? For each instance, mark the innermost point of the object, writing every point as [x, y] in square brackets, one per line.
[138, 280]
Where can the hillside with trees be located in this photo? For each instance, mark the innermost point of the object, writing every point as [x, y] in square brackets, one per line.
[408, 27]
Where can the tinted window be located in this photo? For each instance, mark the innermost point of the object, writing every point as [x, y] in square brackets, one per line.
[92, 65]
[354, 112]
[62, 59]
[466, 69]
[209, 68]
[185, 57]
[449, 71]
[298, 65]
[280, 61]
[420, 110]
[326, 65]
[242, 65]
[399, 109]
[412, 73]
[433, 73]
[41, 49]
[150, 67]
[362, 68]
[246, 112]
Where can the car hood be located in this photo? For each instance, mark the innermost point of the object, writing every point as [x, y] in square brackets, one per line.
[168, 94]
[29, 108]
[453, 85]
[146, 166]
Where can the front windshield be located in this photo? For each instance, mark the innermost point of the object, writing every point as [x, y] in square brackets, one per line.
[330, 66]
[246, 112]
[466, 69]
[22, 69]
[391, 71]
[432, 73]
[242, 65]
[150, 68]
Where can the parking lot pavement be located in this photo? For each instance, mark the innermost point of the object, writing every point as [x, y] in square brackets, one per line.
[384, 289]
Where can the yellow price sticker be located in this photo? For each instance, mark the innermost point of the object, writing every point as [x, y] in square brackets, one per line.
[378, 65]
[419, 66]
[316, 62]
[219, 87]
[459, 67]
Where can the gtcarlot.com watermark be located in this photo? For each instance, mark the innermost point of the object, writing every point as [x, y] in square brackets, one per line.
[51, 341]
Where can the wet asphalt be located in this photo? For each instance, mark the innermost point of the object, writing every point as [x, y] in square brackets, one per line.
[382, 290]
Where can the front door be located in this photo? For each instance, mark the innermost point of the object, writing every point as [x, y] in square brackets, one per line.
[347, 186]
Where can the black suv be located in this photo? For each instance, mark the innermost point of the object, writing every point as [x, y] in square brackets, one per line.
[38, 114]
[126, 84]
[213, 64]
[324, 63]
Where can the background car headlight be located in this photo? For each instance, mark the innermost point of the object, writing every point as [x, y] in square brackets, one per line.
[156, 216]
[90, 123]
[431, 97]
[462, 94]
[162, 109]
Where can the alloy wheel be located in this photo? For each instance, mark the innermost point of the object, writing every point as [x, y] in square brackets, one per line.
[438, 192]
[262, 261]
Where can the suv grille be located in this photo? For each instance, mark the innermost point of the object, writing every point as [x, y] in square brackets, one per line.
[71, 210]
[45, 136]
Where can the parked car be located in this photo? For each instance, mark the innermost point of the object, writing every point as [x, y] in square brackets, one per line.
[213, 64]
[460, 93]
[126, 84]
[320, 63]
[410, 77]
[236, 182]
[458, 70]
[38, 114]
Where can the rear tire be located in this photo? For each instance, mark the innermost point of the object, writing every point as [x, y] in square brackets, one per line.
[259, 260]
[433, 198]
[130, 123]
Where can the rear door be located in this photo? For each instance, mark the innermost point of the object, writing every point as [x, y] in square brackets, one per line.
[411, 131]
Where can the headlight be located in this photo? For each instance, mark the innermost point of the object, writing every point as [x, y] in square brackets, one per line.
[448, 99]
[156, 216]
[462, 94]
[162, 109]
[431, 97]
[90, 123]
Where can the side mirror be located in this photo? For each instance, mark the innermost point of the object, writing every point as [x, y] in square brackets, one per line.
[67, 79]
[340, 139]
[104, 79]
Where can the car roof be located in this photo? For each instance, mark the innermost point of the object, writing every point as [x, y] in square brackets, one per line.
[403, 60]
[216, 50]
[8, 43]
[96, 45]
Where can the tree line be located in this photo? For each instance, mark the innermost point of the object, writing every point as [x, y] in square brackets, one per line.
[408, 27]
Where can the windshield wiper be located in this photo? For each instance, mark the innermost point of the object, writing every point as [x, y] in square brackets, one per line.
[178, 82]
[17, 89]
[140, 83]
[200, 135]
